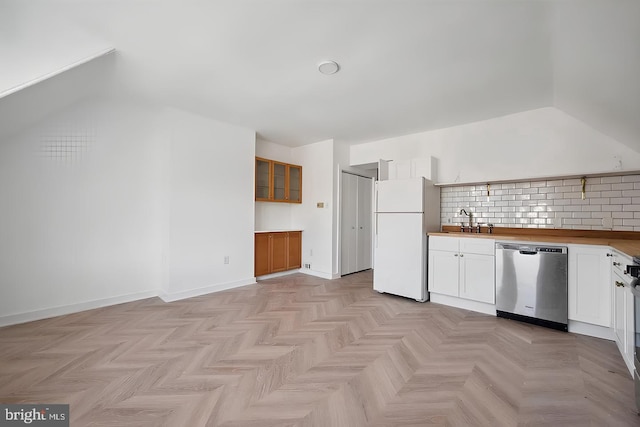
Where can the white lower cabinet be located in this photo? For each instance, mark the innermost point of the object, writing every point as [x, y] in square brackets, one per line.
[462, 267]
[589, 269]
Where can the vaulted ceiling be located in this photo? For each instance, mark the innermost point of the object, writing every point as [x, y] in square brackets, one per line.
[406, 65]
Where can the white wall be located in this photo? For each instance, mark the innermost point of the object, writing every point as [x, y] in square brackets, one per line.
[80, 225]
[537, 143]
[211, 206]
[106, 200]
[317, 186]
[596, 64]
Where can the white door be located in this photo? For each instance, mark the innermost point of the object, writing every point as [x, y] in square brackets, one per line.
[349, 217]
[363, 231]
[400, 244]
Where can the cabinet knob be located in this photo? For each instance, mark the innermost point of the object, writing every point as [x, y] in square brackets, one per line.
[617, 264]
[455, 254]
[461, 255]
[609, 255]
[619, 284]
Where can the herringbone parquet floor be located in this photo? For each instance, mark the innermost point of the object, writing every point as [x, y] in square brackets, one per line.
[302, 351]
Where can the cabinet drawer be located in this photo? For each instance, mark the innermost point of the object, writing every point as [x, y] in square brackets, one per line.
[477, 246]
[441, 243]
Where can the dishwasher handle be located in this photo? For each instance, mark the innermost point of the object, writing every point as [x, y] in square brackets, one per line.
[528, 252]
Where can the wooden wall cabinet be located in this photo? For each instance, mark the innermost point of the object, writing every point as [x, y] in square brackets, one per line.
[277, 251]
[278, 181]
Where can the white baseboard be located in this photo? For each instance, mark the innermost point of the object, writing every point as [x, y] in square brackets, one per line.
[14, 319]
[591, 330]
[175, 296]
[466, 304]
[279, 274]
[320, 274]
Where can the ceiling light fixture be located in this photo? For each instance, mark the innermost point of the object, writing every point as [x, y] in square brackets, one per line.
[328, 67]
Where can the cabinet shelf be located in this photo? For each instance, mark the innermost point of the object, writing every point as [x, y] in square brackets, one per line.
[278, 182]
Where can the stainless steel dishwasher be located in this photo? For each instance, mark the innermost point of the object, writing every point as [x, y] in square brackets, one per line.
[531, 284]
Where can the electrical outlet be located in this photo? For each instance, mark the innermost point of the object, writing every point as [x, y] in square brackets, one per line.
[226, 259]
[307, 266]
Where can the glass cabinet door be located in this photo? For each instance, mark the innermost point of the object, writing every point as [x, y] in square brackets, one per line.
[295, 184]
[262, 179]
[279, 181]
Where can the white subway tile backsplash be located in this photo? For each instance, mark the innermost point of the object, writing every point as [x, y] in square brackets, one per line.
[626, 186]
[611, 179]
[624, 214]
[540, 203]
[600, 187]
[612, 208]
[620, 201]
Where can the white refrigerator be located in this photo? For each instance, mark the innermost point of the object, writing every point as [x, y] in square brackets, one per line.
[405, 211]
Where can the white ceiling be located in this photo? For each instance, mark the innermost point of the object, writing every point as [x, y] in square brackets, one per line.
[406, 66]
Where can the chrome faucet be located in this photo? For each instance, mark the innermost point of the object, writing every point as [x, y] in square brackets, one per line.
[464, 211]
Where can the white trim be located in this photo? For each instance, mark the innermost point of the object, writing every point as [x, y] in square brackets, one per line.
[465, 304]
[170, 297]
[320, 274]
[591, 330]
[278, 274]
[14, 319]
[61, 70]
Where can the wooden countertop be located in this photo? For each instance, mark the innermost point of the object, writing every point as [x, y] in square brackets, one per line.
[276, 231]
[630, 247]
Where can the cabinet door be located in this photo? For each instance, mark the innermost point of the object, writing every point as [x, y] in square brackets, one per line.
[478, 277]
[261, 261]
[619, 314]
[279, 173]
[263, 179]
[589, 289]
[295, 250]
[443, 272]
[629, 328]
[279, 251]
[295, 184]
[363, 227]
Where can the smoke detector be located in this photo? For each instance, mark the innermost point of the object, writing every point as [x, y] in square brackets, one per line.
[328, 67]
